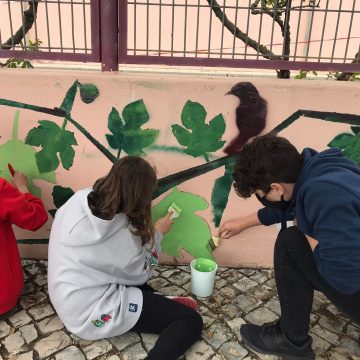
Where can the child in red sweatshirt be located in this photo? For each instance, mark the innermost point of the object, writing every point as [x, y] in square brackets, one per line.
[18, 207]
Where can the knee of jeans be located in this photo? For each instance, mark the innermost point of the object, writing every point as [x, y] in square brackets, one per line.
[197, 323]
[289, 239]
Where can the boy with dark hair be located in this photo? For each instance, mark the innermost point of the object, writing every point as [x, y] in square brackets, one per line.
[320, 192]
[18, 207]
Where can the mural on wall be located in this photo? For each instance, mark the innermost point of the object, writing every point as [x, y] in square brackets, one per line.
[50, 145]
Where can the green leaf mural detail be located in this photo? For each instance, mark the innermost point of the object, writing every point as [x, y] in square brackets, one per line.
[349, 144]
[22, 158]
[61, 195]
[203, 138]
[88, 93]
[69, 98]
[53, 140]
[127, 134]
[220, 193]
[189, 231]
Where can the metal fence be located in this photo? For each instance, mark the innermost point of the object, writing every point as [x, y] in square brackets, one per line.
[289, 34]
[50, 29]
[273, 34]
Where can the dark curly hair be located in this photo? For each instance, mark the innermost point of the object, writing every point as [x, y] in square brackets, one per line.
[265, 160]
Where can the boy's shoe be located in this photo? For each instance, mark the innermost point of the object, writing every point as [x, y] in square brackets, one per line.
[187, 301]
[269, 339]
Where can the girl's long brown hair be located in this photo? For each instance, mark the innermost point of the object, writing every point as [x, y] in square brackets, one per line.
[126, 189]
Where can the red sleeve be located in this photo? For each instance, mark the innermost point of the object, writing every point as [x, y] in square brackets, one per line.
[23, 210]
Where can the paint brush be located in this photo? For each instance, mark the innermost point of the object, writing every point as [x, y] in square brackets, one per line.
[11, 169]
[175, 209]
[215, 241]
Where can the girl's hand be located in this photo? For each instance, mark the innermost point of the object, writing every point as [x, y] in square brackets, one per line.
[163, 225]
[20, 181]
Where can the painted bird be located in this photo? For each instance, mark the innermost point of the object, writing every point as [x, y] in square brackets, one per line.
[250, 115]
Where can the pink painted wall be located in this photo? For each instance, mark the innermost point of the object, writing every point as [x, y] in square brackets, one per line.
[164, 97]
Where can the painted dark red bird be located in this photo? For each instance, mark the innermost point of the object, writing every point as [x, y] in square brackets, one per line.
[250, 115]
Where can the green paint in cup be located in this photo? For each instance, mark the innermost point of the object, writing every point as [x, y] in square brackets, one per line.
[205, 265]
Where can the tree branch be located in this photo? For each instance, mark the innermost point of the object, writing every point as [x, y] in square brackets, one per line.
[345, 76]
[263, 50]
[28, 21]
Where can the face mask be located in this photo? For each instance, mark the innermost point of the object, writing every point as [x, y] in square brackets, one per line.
[282, 204]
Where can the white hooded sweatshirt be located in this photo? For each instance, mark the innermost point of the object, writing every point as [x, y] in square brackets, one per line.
[94, 265]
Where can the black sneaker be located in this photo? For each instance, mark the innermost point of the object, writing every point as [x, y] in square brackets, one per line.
[269, 339]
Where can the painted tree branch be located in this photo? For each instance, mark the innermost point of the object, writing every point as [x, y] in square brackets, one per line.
[63, 114]
[166, 183]
[28, 21]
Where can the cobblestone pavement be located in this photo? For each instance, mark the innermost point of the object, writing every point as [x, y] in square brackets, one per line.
[241, 295]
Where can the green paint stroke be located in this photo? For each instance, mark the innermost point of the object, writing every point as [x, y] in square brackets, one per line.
[349, 144]
[189, 231]
[22, 158]
[203, 138]
[220, 193]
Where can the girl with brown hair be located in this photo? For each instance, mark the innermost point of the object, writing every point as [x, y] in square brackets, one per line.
[103, 249]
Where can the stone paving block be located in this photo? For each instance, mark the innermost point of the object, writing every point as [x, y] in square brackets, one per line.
[149, 340]
[41, 311]
[245, 284]
[233, 351]
[180, 279]
[29, 333]
[200, 350]
[260, 277]
[158, 283]
[14, 343]
[246, 302]
[319, 345]
[326, 334]
[274, 306]
[217, 335]
[134, 353]
[25, 356]
[34, 268]
[351, 346]
[172, 290]
[52, 343]
[235, 325]
[220, 283]
[70, 353]
[334, 324]
[4, 329]
[353, 332]
[123, 341]
[230, 311]
[261, 316]
[50, 324]
[97, 348]
[41, 279]
[20, 318]
[32, 299]
[227, 291]
[113, 357]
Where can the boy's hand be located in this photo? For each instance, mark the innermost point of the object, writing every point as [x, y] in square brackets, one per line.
[20, 181]
[230, 228]
[312, 242]
[163, 225]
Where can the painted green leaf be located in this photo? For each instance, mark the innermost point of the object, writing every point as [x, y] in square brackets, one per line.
[69, 98]
[220, 193]
[189, 231]
[88, 93]
[54, 140]
[135, 114]
[22, 158]
[128, 135]
[61, 195]
[349, 144]
[203, 138]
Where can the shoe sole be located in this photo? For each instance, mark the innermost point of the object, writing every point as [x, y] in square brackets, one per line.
[285, 357]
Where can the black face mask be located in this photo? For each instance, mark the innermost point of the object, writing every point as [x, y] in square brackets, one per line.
[282, 204]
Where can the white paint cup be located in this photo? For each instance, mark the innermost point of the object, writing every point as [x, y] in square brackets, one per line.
[203, 273]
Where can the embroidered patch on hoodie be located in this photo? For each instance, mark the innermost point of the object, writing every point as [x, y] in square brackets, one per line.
[151, 262]
[133, 307]
[104, 319]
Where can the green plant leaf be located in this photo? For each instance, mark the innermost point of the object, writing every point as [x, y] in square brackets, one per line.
[55, 142]
[88, 93]
[127, 134]
[203, 138]
[61, 195]
[349, 144]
